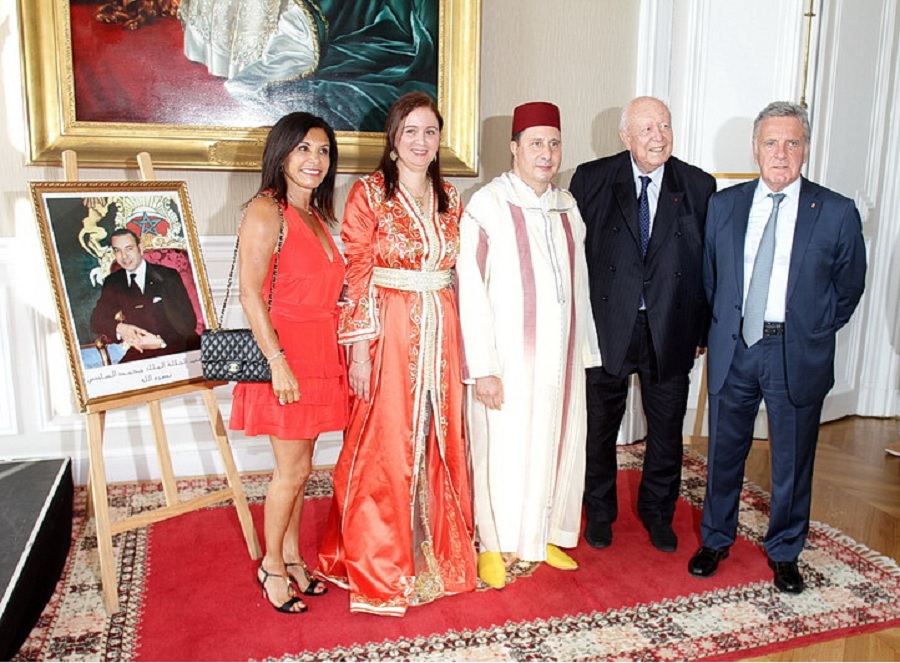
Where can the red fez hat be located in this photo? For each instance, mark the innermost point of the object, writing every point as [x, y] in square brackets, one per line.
[535, 114]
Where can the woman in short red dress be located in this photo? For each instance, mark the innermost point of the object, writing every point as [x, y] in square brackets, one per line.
[298, 335]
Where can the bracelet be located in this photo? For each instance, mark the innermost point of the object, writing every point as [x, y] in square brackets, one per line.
[356, 361]
[275, 356]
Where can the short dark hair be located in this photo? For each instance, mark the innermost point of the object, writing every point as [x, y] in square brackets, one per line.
[287, 133]
[123, 232]
[388, 167]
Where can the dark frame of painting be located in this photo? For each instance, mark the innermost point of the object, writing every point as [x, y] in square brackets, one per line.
[75, 220]
[53, 127]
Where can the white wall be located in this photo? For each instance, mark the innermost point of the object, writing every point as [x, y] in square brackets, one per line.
[856, 150]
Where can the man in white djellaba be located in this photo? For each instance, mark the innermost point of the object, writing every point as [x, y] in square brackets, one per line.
[528, 336]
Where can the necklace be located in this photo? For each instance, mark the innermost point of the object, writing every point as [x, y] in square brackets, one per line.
[300, 207]
[419, 201]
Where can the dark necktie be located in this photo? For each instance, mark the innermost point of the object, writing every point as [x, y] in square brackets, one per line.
[644, 214]
[758, 293]
[133, 277]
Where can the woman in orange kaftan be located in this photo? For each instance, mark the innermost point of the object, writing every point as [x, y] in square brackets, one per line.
[400, 530]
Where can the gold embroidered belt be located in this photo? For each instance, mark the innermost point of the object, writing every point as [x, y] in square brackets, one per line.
[411, 279]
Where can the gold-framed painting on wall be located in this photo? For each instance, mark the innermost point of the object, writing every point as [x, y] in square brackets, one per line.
[197, 83]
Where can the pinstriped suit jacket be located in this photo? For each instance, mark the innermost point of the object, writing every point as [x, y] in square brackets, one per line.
[671, 274]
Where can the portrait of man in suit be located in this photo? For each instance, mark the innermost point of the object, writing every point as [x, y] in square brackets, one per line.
[144, 306]
[645, 212]
[784, 268]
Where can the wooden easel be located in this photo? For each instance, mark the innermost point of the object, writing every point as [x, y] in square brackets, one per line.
[700, 412]
[98, 503]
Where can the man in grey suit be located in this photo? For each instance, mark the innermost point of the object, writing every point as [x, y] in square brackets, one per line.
[645, 212]
[785, 267]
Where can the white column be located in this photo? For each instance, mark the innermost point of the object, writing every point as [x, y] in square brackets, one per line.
[856, 151]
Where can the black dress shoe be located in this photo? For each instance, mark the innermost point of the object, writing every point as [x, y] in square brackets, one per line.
[598, 534]
[663, 538]
[706, 561]
[787, 576]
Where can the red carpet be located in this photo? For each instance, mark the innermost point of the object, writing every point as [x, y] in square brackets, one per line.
[188, 593]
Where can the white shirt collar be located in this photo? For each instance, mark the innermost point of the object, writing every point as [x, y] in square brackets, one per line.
[654, 175]
[142, 269]
[792, 190]
[140, 272]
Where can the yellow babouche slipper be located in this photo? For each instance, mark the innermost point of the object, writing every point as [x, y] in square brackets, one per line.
[559, 560]
[492, 569]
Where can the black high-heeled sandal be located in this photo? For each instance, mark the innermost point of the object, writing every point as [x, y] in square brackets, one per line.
[312, 584]
[286, 607]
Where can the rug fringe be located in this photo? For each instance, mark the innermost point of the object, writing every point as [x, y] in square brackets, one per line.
[888, 564]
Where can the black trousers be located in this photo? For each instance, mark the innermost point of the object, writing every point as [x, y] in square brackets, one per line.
[665, 404]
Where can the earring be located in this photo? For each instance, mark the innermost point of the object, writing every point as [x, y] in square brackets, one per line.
[393, 155]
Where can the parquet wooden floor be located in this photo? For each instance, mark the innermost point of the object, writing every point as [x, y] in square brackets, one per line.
[857, 490]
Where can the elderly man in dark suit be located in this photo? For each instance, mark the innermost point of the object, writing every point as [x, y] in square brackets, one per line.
[645, 212]
[143, 305]
[785, 267]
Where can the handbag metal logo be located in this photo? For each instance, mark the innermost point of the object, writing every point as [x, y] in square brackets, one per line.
[233, 367]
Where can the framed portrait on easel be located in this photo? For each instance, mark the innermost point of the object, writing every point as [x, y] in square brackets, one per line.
[129, 284]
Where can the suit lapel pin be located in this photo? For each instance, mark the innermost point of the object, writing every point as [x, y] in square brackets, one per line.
[812, 205]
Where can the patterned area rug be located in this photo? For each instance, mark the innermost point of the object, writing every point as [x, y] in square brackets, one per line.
[176, 605]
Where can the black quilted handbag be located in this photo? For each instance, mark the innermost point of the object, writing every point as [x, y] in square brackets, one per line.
[233, 355]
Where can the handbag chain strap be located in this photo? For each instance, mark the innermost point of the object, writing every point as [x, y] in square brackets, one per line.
[274, 267]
